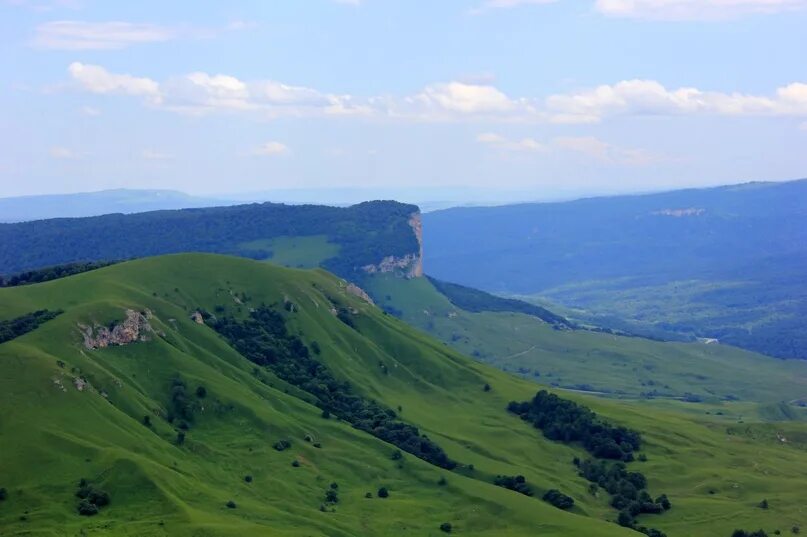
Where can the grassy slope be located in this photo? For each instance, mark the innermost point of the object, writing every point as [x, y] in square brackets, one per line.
[53, 437]
[597, 362]
[296, 252]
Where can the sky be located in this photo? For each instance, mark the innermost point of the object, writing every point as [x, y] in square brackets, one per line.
[552, 98]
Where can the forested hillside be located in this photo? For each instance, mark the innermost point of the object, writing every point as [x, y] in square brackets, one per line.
[340, 239]
[725, 263]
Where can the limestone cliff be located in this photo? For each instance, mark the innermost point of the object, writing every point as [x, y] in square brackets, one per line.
[409, 265]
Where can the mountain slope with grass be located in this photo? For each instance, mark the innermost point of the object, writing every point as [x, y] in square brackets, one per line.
[724, 263]
[133, 401]
[533, 344]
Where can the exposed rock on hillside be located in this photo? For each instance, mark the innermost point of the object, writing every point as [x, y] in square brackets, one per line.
[410, 265]
[355, 290]
[135, 327]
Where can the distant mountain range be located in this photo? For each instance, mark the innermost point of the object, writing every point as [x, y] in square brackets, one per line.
[24, 208]
[726, 263]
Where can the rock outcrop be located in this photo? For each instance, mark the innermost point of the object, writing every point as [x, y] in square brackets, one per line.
[410, 265]
[355, 290]
[135, 327]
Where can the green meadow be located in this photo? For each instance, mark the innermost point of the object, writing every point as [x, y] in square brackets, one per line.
[715, 470]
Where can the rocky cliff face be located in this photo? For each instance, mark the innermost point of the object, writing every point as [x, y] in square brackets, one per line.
[408, 266]
[134, 328]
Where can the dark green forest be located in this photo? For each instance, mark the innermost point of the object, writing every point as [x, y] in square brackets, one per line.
[365, 233]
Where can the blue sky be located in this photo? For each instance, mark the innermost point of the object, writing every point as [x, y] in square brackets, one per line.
[552, 98]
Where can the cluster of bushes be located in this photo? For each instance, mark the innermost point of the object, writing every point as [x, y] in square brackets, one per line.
[558, 499]
[282, 445]
[743, 533]
[331, 497]
[566, 421]
[627, 489]
[18, 326]
[92, 499]
[516, 483]
[182, 407]
[264, 340]
[51, 273]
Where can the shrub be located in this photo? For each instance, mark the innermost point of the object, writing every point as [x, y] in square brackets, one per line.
[446, 527]
[295, 463]
[231, 504]
[85, 508]
[558, 499]
[516, 483]
[442, 481]
[331, 496]
[486, 388]
[248, 478]
[147, 420]
[201, 392]
[4, 495]
[383, 492]
[763, 504]
[368, 494]
[397, 455]
[282, 445]
[180, 438]
[92, 498]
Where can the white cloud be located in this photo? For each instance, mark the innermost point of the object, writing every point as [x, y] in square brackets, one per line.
[271, 149]
[79, 35]
[588, 146]
[606, 152]
[527, 145]
[202, 93]
[694, 9]
[151, 154]
[115, 35]
[651, 98]
[506, 4]
[63, 153]
[96, 79]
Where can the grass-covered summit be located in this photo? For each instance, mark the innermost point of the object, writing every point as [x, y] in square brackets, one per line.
[162, 401]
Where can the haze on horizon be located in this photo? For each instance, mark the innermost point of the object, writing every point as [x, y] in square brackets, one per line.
[556, 98]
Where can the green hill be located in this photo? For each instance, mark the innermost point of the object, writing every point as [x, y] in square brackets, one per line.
[256, 456]
[534, 345]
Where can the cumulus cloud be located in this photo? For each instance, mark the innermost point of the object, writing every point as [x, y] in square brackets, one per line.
[96, 79]
[651, 98]
[271, 149]
[694, 9]
[201, 93]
